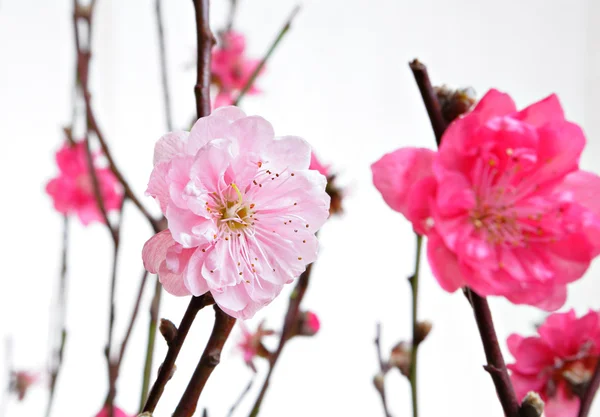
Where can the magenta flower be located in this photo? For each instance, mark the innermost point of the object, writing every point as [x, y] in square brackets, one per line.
[311, 323]
[21, 381]
[73, 191]
[117, 412]
[559, 362]
[506, 209]
[252, 345]
[231, 69]
[242, 208]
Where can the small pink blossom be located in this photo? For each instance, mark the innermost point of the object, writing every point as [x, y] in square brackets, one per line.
[310, 323]
[559, 362]
[242, 208]
[73, 191]
[231, 69]
[117, 412]
[504, 205]
[252, 346]
[21, 381]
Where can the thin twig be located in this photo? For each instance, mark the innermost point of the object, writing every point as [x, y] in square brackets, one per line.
[241, 397]
[151, 342]
[232, 10]
[496, 366]
[382, 369]
[58, 352]
[208, 361]
[590, 393]
[280, 35]
[416, 340]
[134, 314]
[167, 367]
[163, 65]
[155, 304]
[289, 322]
[205, 42]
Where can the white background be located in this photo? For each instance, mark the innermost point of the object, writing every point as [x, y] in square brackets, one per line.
[340, 79]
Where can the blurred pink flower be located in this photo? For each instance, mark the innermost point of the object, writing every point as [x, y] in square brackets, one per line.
[242, 208]
[310, 323]
[317, 165]
[21, 381]
[335, 193]
[506, 209]
[559, 362]
[231, 69]
[117, 412]
[251, 344]
[73, 192]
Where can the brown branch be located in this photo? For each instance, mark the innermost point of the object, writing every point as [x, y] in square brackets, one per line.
[383, 368]
[416, 340]
[590, 393]
[495, 361]
[496, 366]
[205, 41]
[432, 104]
[167, 367]
[288, 325]
[208, 361]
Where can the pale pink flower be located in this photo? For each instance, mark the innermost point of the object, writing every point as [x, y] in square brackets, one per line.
[230, 68]
[252, 345]
[21, 381]
[242, 208]
[117, 412]
[559, 362]
[506, 209]
[72, 190]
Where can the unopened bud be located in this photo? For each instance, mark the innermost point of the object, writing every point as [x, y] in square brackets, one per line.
[532, 405]
[378, 381]
[310, 323]
[145, 414]
[454, 102]
[173, 369]
[422, 330]
[168, 330]
[400, 357]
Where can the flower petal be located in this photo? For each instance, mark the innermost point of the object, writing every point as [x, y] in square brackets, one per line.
[444, 264]
[169, 146]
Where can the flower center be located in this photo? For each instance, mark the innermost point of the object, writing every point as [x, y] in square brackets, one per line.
[236, 215]
[576, 372]
[506, 212]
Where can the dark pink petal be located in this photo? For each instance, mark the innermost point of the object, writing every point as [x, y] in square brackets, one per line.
[493, 104]
[542, 112]
[395, 173]
[563, 404]
[444, 264]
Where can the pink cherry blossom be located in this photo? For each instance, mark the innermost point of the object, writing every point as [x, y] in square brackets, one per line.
[21, 381]
[72, 190]
[559, 362]
[231, 69]
[117, 412]
[317, 165]
[506, 209]
[242, 209]
[251, 344]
